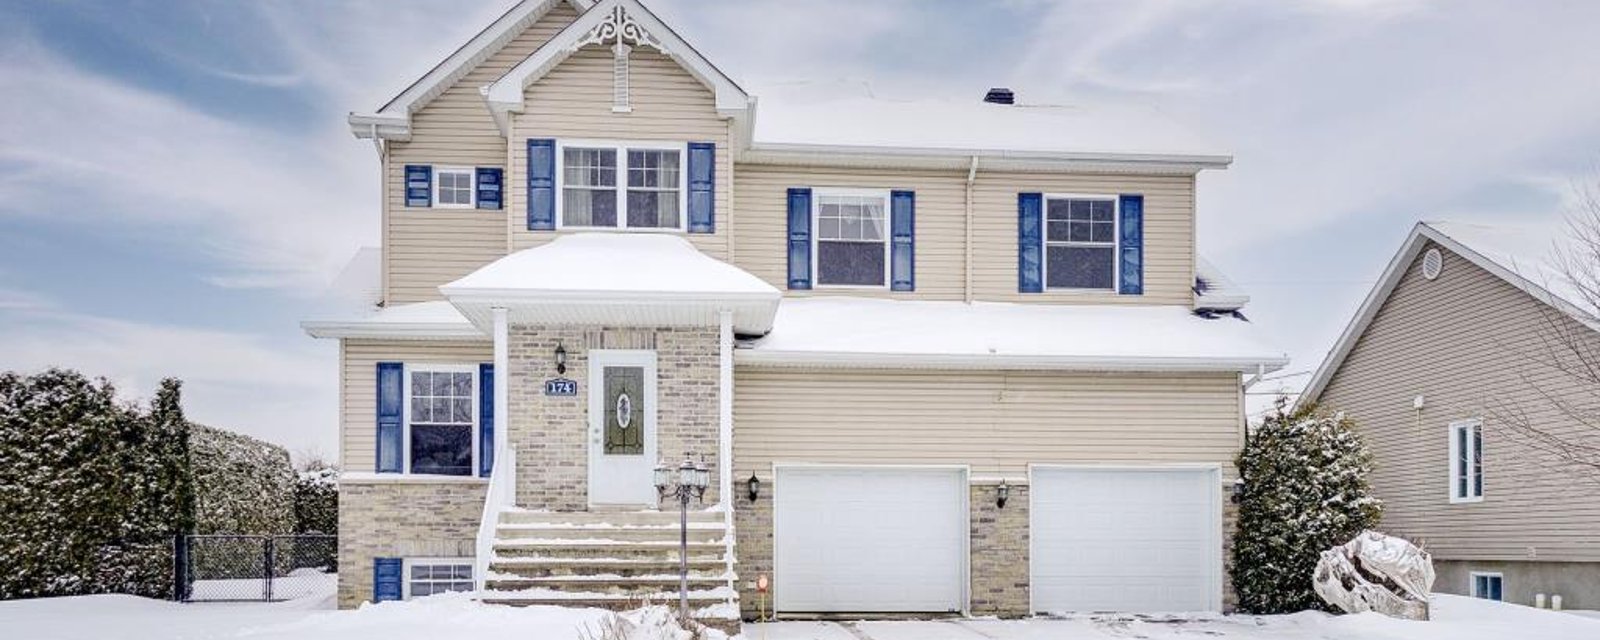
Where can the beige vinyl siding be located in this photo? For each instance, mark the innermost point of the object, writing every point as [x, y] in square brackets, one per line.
[574, 101]
[358, 399]
[997, 422]
[428, 247]
[762, 235]
[1168, 234]
[1468, 342]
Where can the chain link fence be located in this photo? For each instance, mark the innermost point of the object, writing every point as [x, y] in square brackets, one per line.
[241, 568]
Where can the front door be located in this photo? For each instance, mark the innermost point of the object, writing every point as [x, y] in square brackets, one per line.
[622, 427]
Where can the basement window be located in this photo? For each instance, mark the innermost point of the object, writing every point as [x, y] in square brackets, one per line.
[427, 576]
[1487, 585]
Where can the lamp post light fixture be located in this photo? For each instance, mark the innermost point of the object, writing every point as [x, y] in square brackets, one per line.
[689, 480]
[561, 358]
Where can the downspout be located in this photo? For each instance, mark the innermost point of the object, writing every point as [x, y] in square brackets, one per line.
[725, 436]
[972, 176]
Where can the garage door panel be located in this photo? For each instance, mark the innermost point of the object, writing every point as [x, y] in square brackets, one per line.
[865, 540]
[1124, 540]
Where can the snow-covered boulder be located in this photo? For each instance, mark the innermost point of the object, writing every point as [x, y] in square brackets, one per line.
[1376, 572]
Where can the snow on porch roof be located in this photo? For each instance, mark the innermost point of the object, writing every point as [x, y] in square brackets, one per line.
[616, 278]
[994, 335]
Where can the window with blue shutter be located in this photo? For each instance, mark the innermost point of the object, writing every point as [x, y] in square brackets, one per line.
[799, 238]
[485, 419]
[386, 579]
[391, 403]
[1030, 221]
[541, 184]
[1131, 244]
[490, 180]
[419, 185]
[702, 187]
[902, 226]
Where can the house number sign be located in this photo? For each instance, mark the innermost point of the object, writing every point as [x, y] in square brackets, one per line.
[560, 387]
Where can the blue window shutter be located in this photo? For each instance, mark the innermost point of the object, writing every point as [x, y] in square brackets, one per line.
[541, 184]
[419, 185]
[702, 187]
[391, 403]
[1130, 246]
[1030, 245]
[386, 579]
[485, 419]
[490, 180]
[799, 238]
[902, 251]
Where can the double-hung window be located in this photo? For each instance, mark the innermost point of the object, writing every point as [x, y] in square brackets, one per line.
[852, 239]
[622, 186]
[441, 419]
[1466, 461]
[1080, 242]
[1486, 585]
[454, 187]
[427, 576]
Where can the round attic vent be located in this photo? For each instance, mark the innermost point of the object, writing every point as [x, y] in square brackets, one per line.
[1432, 263]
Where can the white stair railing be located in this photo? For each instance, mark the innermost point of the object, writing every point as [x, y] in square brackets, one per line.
[502, 494]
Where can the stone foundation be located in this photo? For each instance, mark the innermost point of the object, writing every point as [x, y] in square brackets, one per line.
[402, 519]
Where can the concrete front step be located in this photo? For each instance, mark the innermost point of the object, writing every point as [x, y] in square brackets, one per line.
[582, 553]
[608, 584]
[607, 517]
[696, 533]
[552, 567]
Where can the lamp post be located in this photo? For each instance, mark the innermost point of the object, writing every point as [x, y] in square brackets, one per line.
[689, 480]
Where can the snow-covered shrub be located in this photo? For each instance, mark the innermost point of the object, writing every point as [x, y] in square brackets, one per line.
[316, 500]
[242, 485]
[1305, 474]
[93, 490]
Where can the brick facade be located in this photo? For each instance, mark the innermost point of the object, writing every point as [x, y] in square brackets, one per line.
[550, 432]
[388, 519]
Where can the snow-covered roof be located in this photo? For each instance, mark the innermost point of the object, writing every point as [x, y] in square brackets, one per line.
[857, 332]
[1524, 256]
[643, 278]
[1214, 290]
[438, 320]
[1122, 133]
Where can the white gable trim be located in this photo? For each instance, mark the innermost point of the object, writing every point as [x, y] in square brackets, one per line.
[392, 121]
[627, 20]
[1392, 274]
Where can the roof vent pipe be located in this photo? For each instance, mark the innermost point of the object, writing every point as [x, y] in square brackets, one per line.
[1000, 95]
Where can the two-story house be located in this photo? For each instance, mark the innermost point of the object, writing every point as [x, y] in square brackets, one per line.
[935, 357]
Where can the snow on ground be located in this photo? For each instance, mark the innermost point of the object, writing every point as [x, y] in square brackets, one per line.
[113, 617]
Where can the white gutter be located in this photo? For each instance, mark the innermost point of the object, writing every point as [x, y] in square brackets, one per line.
[770, 358]
[972, 176]
[1169, 161]
[393, 330]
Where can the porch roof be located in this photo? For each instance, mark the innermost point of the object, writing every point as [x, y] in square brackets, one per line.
[843, 332]
[616, 279]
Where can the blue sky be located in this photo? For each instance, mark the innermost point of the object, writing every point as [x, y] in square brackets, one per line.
[177, 186]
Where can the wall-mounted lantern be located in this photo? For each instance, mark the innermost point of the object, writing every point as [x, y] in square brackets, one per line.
[754, 487]
[561, 358]
[1002, 493]
[1238, 490]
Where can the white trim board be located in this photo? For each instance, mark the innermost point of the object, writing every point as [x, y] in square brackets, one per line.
[1421, 234]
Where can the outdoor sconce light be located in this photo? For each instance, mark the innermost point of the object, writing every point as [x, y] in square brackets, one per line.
[1238, 490]
[1001, 494]
[754, 485]
[561, 358]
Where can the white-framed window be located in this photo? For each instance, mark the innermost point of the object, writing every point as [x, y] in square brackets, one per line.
[441, 419]
[1080, 242]
[453, 187]
[1466, 460]
[1487, 585]
[611, 185]
[427, 576]
[850, 245]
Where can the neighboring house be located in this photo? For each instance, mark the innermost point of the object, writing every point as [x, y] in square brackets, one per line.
[937, 357]
[1440, 366]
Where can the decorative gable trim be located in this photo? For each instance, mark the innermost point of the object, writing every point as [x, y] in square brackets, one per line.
[392, 121]
[608, 21]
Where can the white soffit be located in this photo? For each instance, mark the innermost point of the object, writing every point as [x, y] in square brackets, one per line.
[437, 320]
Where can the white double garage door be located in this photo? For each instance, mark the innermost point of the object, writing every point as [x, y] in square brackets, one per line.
[898, 539]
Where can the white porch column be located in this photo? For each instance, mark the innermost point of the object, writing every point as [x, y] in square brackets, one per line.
[725, 414]
[502, 382]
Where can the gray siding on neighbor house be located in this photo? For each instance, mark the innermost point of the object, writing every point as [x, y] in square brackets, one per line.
[1473, 345]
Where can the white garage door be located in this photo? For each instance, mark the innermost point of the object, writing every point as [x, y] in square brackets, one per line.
[1125, 540]
[869, 539]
